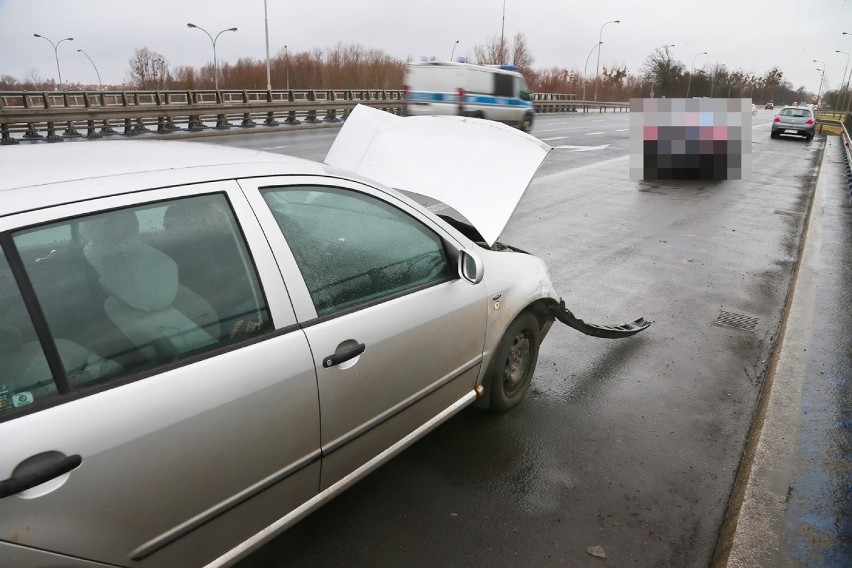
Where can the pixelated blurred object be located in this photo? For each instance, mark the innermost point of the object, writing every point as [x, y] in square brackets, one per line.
[690, 139]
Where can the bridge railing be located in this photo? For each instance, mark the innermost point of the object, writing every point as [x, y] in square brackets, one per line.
[42, 115]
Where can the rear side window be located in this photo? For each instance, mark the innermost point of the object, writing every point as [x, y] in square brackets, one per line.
[24, 374]
[352, 248]
[141, 287]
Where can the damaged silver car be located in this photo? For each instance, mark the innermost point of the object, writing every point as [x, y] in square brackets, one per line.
[201, 345]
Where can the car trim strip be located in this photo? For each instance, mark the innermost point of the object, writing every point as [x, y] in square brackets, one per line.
[205, 517]
[377, 421]
[45, 338]
[243, 549]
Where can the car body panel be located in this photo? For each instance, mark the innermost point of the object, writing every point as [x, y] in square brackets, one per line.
[358, 400]
[210, 456]
[193, 418]
[480, 168]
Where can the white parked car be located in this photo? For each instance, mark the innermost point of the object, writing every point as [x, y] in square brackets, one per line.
[201, 345]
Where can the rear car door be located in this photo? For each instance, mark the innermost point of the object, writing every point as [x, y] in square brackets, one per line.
[396, 335]
[154, 380]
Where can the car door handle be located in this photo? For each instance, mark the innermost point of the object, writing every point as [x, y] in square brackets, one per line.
[14, 485]
[349, 349]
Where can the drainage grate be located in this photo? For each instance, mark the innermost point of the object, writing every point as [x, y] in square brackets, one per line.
[789, 213]
[737, 321]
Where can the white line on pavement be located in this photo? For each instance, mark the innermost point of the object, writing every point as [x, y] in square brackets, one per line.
[554, 138]
[593, 133]
[274, 147]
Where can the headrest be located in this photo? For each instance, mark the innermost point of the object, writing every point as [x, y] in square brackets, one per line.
[137, 274]
[110, 227]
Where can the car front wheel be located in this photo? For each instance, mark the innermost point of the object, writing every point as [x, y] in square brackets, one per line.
[513, 364]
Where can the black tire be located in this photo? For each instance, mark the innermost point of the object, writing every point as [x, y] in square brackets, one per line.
[773, 134]
[526, 122]
[512, 367]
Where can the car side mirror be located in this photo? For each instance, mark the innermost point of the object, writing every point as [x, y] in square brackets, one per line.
[470, 267]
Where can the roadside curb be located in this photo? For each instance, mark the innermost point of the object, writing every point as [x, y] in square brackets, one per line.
[755, 530]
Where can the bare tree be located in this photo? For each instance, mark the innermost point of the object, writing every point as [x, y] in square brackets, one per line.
[521, 56]
[663, 71]
[148, 69]
[492, 52]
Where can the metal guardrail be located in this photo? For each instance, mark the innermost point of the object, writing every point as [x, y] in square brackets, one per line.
[559, 102]
[835, 122]
[99, 113]
[136, 110]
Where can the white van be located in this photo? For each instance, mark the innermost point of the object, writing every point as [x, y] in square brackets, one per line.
[496, 92]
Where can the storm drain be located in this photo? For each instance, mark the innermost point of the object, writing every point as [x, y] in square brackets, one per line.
[737, 321]
[788, 213]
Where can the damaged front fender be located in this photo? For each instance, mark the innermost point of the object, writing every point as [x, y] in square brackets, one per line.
[558, 311]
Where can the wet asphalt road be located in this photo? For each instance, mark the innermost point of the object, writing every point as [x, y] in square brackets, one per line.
[631, 445]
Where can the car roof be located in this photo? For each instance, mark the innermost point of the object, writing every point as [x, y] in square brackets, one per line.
[37, 175]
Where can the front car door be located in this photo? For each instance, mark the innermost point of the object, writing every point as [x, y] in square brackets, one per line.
[396, 335]
[153, 342]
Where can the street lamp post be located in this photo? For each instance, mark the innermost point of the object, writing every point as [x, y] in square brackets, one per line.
[822, 78]
[266, 31]
[56, 53]
[100, 84]
[598, 66]
[586, 66]
[842, 77]
[692, 72]
[287, 66]
[453, 52]
[213, 41]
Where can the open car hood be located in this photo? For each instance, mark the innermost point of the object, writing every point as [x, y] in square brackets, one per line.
[478, 167]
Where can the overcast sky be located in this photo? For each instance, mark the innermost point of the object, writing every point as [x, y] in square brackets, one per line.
[750, 34]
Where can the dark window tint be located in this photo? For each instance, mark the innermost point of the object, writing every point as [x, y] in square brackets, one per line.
[504, 85]
[145, 286]
[353, 248]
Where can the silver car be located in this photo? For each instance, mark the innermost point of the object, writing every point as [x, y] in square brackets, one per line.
[798, 121]
[201, 345]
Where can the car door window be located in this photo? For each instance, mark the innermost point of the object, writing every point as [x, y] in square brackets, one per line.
[24, 374]
[353, 249]
[139, 287]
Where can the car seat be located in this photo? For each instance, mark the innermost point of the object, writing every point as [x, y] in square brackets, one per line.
[160, 317]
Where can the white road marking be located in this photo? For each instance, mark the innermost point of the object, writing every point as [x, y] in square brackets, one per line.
[583, 148]
[555, 138]
[274, 147]
[622, 130]
[574, 171]
[593, 133]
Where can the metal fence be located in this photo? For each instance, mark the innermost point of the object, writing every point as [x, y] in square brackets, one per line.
[53, 116]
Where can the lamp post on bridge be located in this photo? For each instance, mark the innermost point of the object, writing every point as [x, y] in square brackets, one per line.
[821, 81]
[56, 53]
[100, 84]
[453, 52]
[598, 66]
[287, 66]
[842, 78]
[213, 41]
[692, 72]
[586, 66]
